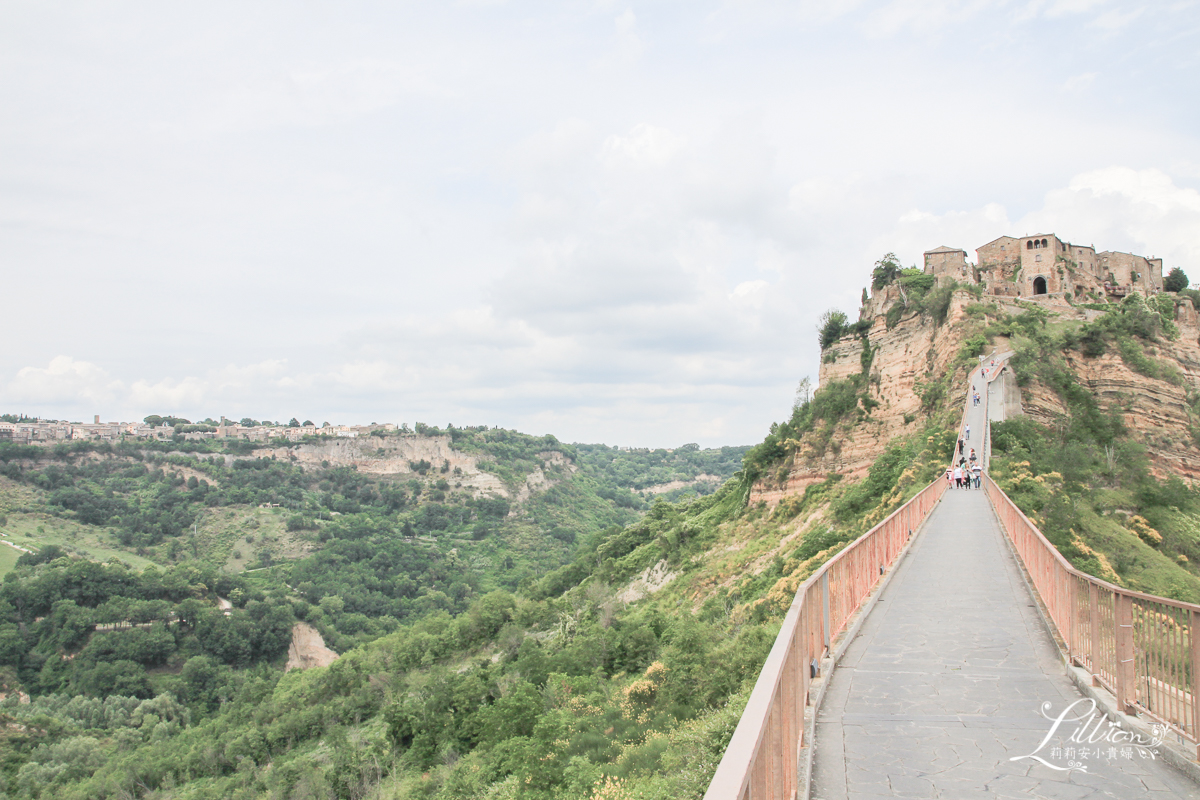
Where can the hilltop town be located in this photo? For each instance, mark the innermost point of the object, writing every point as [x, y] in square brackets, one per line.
[48, 432]
[1044, 266]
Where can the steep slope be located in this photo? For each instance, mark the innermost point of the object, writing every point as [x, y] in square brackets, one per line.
[1096, 421]
[888, 379]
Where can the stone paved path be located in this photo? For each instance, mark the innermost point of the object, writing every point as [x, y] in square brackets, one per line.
[945, 681]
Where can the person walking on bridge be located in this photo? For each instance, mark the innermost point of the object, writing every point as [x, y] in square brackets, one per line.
[967, 431]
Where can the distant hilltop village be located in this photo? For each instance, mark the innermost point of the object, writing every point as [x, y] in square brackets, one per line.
[50, 432]
[1046, 266]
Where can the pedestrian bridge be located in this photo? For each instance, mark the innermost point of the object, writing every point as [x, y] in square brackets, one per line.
[945, 654]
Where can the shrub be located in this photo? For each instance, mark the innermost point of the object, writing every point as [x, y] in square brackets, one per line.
[973, 347]
[887, 270]
[832, 327]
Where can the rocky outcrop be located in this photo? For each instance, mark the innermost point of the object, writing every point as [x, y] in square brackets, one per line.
[308, 648]
[915, 349]
[395, 456]
[670, 486]
[904, 357]
[1156, 412]
[543, 478]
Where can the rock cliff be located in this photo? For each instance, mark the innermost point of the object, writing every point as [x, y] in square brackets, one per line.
[916, 352]
[905, 357]
[1158, 413]
[395, 456]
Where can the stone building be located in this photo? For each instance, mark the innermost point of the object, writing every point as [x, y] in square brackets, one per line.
[1046, 265]
[1139, 273]
[948, 261]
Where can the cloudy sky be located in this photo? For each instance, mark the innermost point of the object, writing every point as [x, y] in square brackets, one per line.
[612, 222]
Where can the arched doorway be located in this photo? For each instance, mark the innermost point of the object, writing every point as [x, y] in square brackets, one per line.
[1039, 285]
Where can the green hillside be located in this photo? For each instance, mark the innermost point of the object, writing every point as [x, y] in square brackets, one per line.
[550, 652]
[595, 638]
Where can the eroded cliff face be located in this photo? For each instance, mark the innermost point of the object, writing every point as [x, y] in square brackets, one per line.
[917, 350]
[394, 456]
[913, 352]
[1157, 412]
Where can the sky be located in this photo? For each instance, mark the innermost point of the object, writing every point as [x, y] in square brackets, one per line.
[613, 222]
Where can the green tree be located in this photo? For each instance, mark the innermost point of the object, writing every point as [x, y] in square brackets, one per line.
[831, 328]
[887, 270]
[1176, 280]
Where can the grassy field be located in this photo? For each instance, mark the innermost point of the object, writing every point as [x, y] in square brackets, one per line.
[34, 530]
[15, 497]
[236, 537]
[8, 558]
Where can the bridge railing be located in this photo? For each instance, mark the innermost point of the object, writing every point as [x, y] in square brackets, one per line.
[762, 759]
[1144, 649]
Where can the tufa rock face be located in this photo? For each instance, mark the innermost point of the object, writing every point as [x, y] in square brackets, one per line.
[915, 348]
[393, 456]
[308, 648]
[1157, 411]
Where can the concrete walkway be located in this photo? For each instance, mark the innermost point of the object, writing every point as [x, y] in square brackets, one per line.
[946, 680]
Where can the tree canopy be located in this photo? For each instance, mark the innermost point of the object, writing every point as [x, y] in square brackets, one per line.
[1176, 280]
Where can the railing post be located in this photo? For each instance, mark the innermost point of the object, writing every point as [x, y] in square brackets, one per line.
[775, 753]
[1072, 614]
[1094, 645]
[1194, 641]
[793, 714]
[1125, 681]
[825, 608]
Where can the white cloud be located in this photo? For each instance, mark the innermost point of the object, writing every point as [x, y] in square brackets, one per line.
[1115, 208]
[1115, 20]
[1119, 208]
[64, 380]
[644, 146]
[603, 224]
[1080, 82]
[629, 42]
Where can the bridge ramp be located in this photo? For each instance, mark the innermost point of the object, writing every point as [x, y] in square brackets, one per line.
[945, 682]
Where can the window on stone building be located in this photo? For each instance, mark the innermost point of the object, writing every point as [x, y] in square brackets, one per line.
[1045, 243]
[1029, 245]
[1037, 258]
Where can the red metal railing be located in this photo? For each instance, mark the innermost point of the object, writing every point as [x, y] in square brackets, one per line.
[1144, 649]
[763, 755]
